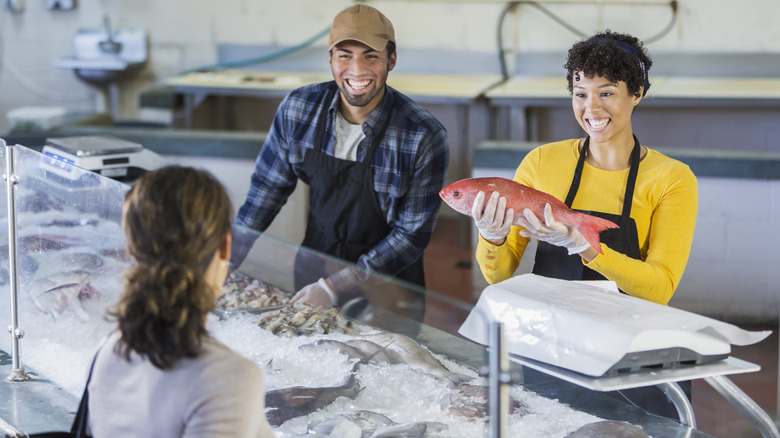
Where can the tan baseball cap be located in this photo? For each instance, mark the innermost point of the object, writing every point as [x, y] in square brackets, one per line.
[362, 23]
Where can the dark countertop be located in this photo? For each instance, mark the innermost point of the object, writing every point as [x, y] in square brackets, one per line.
[160, 139]
[703, 163]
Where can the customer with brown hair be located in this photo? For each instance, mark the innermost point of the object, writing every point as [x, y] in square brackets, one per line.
[161, 373]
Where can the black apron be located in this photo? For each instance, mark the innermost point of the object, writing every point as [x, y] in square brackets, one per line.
[555, 261]
[346, 221]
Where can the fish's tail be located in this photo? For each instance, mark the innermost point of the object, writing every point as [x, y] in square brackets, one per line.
[591, 226]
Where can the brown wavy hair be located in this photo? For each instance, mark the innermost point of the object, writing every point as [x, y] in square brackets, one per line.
[174, 220]
[615, 56]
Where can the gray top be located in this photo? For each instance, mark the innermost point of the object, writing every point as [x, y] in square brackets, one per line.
[217, 394]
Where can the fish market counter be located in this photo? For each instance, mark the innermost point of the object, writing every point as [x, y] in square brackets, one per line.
[371, 366]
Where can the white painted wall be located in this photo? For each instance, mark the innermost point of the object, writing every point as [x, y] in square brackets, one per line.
[185, 34]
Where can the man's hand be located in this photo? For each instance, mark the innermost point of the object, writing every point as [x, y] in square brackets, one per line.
[319, 294]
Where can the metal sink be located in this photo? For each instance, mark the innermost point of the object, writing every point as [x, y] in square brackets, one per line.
[102, 56]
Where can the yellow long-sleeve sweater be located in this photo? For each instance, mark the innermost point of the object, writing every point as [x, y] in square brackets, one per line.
[664, 208]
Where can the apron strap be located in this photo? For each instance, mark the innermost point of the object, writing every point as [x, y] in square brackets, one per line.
[628, 198]
[575, 182]
[319, 134]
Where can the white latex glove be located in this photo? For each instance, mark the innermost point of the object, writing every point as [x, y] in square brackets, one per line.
[316, 295]
[553, 232]
[495, 222]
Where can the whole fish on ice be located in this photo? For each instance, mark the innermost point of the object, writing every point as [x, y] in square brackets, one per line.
[364, 421]
[26, 266]
[460, 196]
[63, 291]
[404, 349]
[286, 403]
[367, 424]
[391, 349]
[410, 430]
[609, 429]
[342, 347]
[26, 248]
[360, 349]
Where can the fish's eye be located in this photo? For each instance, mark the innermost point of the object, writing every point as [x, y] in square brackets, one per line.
[456, 193]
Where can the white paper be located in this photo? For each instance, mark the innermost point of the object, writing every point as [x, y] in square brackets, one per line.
[588, 327]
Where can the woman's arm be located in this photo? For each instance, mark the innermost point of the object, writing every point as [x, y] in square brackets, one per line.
[673, 221]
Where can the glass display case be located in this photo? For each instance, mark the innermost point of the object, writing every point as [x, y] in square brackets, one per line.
[374, 365]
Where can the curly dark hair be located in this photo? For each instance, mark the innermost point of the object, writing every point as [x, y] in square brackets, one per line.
[615, 56]
[174, 220]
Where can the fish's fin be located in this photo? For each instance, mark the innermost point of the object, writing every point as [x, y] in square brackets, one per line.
[459, 379]
[381, 349]
[591, 226]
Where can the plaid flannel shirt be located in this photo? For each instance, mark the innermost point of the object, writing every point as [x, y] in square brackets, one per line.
[410, 168]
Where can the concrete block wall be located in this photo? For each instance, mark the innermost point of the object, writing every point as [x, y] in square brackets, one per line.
[734, 269]
[186, 34]
[711, 126]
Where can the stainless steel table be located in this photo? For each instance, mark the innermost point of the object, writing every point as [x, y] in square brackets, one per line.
[437, 89]
[513, 99]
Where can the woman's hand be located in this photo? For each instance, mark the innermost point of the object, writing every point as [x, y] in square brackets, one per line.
[552, 231]
[494, 220]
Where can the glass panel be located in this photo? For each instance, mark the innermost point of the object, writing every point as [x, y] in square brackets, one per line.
[375, 364]
[69, 258]
[378, 300]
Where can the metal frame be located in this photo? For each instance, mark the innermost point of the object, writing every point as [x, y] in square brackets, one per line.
[17, 372]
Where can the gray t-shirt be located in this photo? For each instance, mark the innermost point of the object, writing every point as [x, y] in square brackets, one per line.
[348, 136]
[217, 394]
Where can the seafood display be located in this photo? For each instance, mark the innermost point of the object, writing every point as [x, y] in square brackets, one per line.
[460, 196]
[301, 319]
[466, 396]
[241, 292]
[325, 375]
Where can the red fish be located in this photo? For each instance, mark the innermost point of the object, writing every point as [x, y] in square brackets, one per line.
[460, 196]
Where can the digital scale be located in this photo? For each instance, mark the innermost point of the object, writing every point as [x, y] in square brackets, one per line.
[111, 157]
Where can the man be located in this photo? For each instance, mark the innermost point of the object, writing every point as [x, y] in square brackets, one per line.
[374, 161]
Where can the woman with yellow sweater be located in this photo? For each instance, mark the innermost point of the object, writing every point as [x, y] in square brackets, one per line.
[609, 174]
[653, 198]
